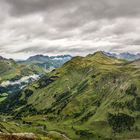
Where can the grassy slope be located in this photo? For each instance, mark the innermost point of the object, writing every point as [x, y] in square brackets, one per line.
[3, 96]
[93, 97]
[10, 70]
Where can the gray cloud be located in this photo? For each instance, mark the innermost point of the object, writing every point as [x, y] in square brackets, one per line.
[22, 7]
[77, 27]
[93, 8]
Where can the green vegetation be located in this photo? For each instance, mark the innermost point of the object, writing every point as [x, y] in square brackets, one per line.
[94, 97]
[9, 70]
[3, 96]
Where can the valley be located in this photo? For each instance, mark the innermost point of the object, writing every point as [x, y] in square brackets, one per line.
[16, 75]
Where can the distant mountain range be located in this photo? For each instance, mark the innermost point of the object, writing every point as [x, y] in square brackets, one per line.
[47, 62]
[126, 56]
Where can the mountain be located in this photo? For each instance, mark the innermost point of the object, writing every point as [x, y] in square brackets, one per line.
[13, 76]
[92, 97]
[47, 62]
[10, 70]
[126, 56]
[129, 56]
[6, 65]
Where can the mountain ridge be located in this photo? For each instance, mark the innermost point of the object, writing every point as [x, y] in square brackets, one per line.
[88, 96]
[126, 55]
[47, 62]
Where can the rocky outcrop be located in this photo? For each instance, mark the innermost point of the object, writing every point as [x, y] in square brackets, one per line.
[18, 136]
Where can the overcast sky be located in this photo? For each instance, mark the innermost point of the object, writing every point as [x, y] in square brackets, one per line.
[76, 27]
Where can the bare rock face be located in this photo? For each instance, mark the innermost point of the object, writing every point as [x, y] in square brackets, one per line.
[18, 136]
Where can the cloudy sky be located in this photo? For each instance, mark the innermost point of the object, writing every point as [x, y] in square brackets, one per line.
[76, 27]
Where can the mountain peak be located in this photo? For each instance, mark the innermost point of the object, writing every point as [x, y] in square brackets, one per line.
[2, 58]
[98, 54]
[37, 57]
[102, 57]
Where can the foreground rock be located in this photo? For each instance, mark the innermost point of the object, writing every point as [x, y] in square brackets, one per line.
[18, 136]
